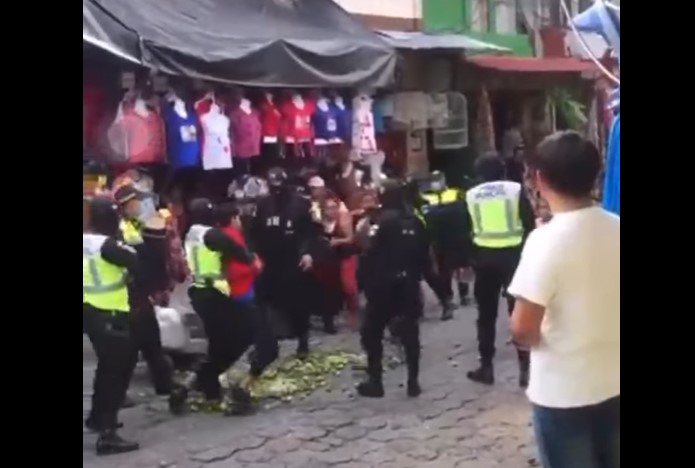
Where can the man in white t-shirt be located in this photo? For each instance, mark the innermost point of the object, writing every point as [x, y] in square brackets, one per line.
[567, 287]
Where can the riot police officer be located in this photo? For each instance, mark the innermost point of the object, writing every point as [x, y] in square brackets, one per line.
[443, 211]
[395, 258]
[285, 238]
[106, 310]
[501, 217]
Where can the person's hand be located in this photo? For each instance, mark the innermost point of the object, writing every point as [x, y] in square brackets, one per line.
[306, 262]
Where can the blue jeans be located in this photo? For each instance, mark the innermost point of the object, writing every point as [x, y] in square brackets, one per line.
[583, 437]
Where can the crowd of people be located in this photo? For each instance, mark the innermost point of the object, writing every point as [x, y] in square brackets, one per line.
[312, 245]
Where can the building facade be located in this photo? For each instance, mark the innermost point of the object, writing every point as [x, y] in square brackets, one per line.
[399, 15]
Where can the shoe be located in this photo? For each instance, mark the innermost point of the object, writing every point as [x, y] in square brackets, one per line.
[110, 443]
[414, 389]
[484, 375]
[177, 400]
[302, 350]
[241, 402]
[128, 402]
[371, 389]
[448, 312]
[329, 327]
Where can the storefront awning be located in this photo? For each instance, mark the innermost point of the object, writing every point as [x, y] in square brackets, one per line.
[532, 64]
[105, 32]
[258, 42]
[427, 41]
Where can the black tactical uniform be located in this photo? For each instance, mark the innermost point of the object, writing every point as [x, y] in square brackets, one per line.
[393, 264]
[284, 236]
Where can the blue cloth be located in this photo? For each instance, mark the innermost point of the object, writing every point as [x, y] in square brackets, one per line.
[611, 183]
[183, 145]
[246, 297]
[378, 114]
[325, 123]
[344, 120]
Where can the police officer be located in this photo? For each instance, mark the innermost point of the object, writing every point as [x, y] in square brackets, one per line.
[232, 325]
[394, 262]
[106, 309]
[285, 238]
[144, 229]
[501, 217]
[443, 210]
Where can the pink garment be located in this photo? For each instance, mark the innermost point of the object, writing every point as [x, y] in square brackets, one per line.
[246, 133]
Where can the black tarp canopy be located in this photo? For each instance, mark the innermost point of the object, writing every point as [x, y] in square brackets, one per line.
[105, 32]
[257, 42]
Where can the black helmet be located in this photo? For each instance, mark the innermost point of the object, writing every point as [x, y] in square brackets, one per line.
[435, 182]
[103, 215]
[392, 195]
[202, 212]
[276, 176]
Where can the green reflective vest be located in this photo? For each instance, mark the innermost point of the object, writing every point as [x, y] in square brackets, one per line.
[205, 264]
[103, 283]
[494, 209]
[130, 232]
[433, 199]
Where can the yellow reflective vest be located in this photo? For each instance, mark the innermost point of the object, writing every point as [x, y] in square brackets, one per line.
[205, 264]
[494, 209]
[103, 283]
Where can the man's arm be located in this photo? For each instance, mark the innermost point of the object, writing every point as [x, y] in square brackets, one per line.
[526, 214]
[120, 254]
[218, 241]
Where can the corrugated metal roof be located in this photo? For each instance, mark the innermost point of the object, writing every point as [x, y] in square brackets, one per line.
[532, 64]
[427, 41]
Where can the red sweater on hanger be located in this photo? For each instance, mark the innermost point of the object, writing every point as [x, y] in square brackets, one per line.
[140, 138]
[270, 119]
[296, 122]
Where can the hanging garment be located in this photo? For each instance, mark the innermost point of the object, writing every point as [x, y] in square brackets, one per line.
[344, 120]
[217, 146]
[93, 112]
[270, 121]
[411, 109]
[246, 133]
[182, 135]
[137, 134]
[363, 135]
[296, 122]
[325, 123]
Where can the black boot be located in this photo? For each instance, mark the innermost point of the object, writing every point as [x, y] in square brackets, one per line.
[414, 389]
[241, 403]
[484, 374]
[329, 325]
[371, 388]
[448, 311]
[177, 400]
[91, 424]
[303, 347]
[110, 443]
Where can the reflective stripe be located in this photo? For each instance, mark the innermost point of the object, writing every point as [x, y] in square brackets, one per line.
[197, 275]
[513, 229]
[97, 286]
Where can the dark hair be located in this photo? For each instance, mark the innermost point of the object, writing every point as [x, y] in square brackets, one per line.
[490, 167]
[224, 212]
[568, 162]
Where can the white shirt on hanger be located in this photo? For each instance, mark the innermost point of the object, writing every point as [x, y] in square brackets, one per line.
[217, 146]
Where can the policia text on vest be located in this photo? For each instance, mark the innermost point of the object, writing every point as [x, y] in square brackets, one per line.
[501, 217]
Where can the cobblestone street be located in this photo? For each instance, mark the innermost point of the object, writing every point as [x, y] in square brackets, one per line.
[454, 424]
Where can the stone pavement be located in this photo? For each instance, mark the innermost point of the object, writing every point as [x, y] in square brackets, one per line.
[454, 424]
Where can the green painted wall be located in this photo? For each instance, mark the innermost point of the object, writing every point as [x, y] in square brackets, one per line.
[453, 16]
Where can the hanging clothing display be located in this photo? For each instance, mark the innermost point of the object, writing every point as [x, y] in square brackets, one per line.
[93, 112]
[137, 134]
[181, 126]
[343, 119]
[217, 146]
[270, 120]
[296, 120]
[246, 132]
[325, 121]
[411, 109]
[363, 135]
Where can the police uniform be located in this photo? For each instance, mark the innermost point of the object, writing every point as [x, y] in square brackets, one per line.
[283, 232]
[106, 311]
[501, 217]
[443, 212]
[394, 262]
[148, 237]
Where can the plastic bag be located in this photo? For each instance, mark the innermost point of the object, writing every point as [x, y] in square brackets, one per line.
[172, 329]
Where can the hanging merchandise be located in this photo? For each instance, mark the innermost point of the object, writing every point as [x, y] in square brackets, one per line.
[137, 134]
[217, 146]
[296, 119]
[363, 135]
[325, 122]
[411, 109]
[93, 111]
[246, 130]
[182, 133]
[343, 118]
[270, 119]
[450, 114]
